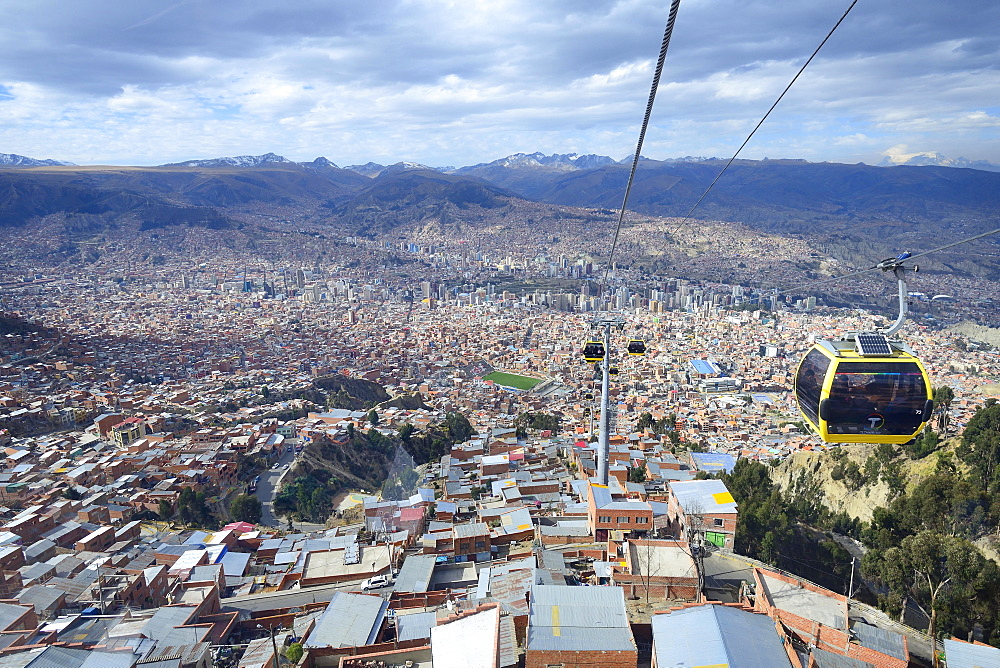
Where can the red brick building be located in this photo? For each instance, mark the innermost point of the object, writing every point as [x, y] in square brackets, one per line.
[471, 541]
[605, 515]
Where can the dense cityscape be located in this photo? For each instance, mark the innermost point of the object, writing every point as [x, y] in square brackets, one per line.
[222, 462]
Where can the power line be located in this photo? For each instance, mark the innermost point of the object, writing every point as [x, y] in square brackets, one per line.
[878, 268]
[764, 118]
[819, 570]
[667, 32]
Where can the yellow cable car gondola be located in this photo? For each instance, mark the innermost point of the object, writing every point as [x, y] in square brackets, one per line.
[850, 396]
[636, 347]
[593, 351]
[865, 388]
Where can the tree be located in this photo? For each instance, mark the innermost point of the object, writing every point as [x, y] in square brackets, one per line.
[373, 417]
[644, 553]
[527, 421]
[193, 507]
[637, 474]
[980, 446]
[265, 391]
[458, 426]
[166, 510]
[938, 562]
[406, 433]
[943, 396]
[246, 508]
[319, 504]
[294, 652]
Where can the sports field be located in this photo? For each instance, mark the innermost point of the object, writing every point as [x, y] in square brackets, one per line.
[512, 380]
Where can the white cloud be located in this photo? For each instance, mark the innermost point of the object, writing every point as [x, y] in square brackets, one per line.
[460, 82]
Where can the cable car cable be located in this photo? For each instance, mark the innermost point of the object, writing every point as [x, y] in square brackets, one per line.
[667, 32]
[764, 118]
[879, 268]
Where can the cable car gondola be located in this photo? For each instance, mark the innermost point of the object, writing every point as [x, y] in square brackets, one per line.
[865, 388]
[593, 351]
[636, 347]
[613, 371]
[868, 390]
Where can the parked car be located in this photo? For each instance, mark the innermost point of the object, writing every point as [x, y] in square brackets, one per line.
[375, 582]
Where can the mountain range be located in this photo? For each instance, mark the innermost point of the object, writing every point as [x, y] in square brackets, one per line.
[842, 209]
[14, 160]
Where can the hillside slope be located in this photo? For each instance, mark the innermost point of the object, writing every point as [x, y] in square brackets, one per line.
[858, 500]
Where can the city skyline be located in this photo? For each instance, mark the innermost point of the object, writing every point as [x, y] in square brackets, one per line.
[449, 84]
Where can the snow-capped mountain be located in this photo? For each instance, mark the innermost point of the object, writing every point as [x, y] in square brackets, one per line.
[567, 161]
[373, 169]
[14, 160]
[238, 161]
[937, 160]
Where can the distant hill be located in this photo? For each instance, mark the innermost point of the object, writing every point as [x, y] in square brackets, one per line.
[851, 212]
[399, 197]
[156, 194]
[769, 193]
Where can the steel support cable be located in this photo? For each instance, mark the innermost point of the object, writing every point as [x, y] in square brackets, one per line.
[877, 268]
[761, 122]
[667, 32]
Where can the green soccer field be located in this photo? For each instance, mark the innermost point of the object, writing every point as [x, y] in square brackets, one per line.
[512, 380]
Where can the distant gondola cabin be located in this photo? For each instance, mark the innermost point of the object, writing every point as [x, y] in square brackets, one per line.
[636, 347]
[593, 351]
[849, 394]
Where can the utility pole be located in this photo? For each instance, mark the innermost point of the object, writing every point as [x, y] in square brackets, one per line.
[274, 645]
[850, 587]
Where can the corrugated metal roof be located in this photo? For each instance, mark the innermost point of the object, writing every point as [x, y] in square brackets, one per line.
[966, 655]
[704, 496]
[602, 495]
[717, 635]
[258, 654]
[109, 660]
[506, 642]
[880, 640]
[166, 618]
[471, 530]
[825, 659]
[415, 625]
[351, 620]
[416, 573]
[235, 563]
[578, 618]
[60, 657]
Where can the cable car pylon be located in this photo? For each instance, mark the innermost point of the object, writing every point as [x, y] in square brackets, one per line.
[604, 325]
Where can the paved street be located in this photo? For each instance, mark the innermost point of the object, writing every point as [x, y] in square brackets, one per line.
[268, 487]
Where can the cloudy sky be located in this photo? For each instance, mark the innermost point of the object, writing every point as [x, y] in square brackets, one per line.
[463, 82]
